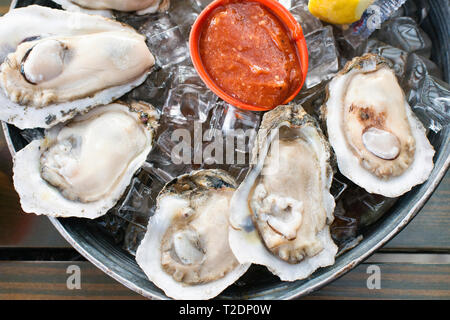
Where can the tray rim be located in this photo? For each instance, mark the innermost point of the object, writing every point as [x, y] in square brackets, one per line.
[349, 265]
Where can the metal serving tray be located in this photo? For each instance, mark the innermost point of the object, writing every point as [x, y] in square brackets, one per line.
[99, 249]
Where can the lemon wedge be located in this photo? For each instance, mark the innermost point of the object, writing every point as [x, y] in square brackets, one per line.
[339, 11]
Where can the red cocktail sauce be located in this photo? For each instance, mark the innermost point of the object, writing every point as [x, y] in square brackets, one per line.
[249, 53]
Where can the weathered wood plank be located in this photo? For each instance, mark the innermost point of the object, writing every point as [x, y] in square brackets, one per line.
[18, 229]
[47, 280]
[398, 281]
[4, 6]
[429, 230]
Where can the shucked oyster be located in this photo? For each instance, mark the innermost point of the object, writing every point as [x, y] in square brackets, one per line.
[379, 143]
[280, 214]
[48, 80]
[185, 251]
[103, 7]
[38, 22]
[82, 167]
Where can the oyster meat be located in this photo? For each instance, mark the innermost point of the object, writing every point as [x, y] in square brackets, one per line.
[81, 168]
[104, 7]
[38, 22]
[48, 80]
[185, 251]
[281, 213]
[379, 143]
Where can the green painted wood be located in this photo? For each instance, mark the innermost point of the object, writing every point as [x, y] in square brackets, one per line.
[429, 230]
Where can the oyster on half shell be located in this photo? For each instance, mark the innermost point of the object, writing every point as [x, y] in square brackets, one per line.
[38, 22]
[81, 168]
[48, 80]
[281, 213]
[379, 143]
[185, 251]
[104, 7]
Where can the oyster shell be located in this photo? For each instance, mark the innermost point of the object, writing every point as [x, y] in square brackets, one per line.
[104, 7]
[81, 168]
[50, 79]
[280, 214]
[379, 143]
[185, 251]
[38, 22]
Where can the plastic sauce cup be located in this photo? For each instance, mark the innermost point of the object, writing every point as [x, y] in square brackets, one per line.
[296, 34]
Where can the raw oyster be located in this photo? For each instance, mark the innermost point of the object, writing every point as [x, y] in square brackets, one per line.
[379, 143]
[81, 168]
[50, 79]
[280, 215]
[185, 251]
[104, 7]
[38, 22]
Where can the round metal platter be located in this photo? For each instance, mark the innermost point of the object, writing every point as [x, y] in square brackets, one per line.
[258, 283]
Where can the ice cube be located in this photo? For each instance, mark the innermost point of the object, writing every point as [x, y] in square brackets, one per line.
[346, 51]
[165, 152]
[404, 33]
[372, 207]
[114, 224]
[156, 24]
[155, 88]
[239, 129]
[188, 99]
[307, 21]
[141, 198]
[312, 99]
[227, 117]
[431, 102]
[417, 67]
[133, 237]
[357, 209]
[140, 201]
[397, 57]
[236, 130]
[136, 201]
[371, 20]
[345, 224]
[200, 4]
[411, 9]
[338, 187]
[184, 13]
[323, 56]
[165, 40]
[174, 151]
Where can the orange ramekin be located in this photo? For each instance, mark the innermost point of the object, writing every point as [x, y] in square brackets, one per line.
[281, 13]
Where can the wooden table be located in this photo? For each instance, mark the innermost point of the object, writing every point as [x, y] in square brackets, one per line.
[34, 258]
